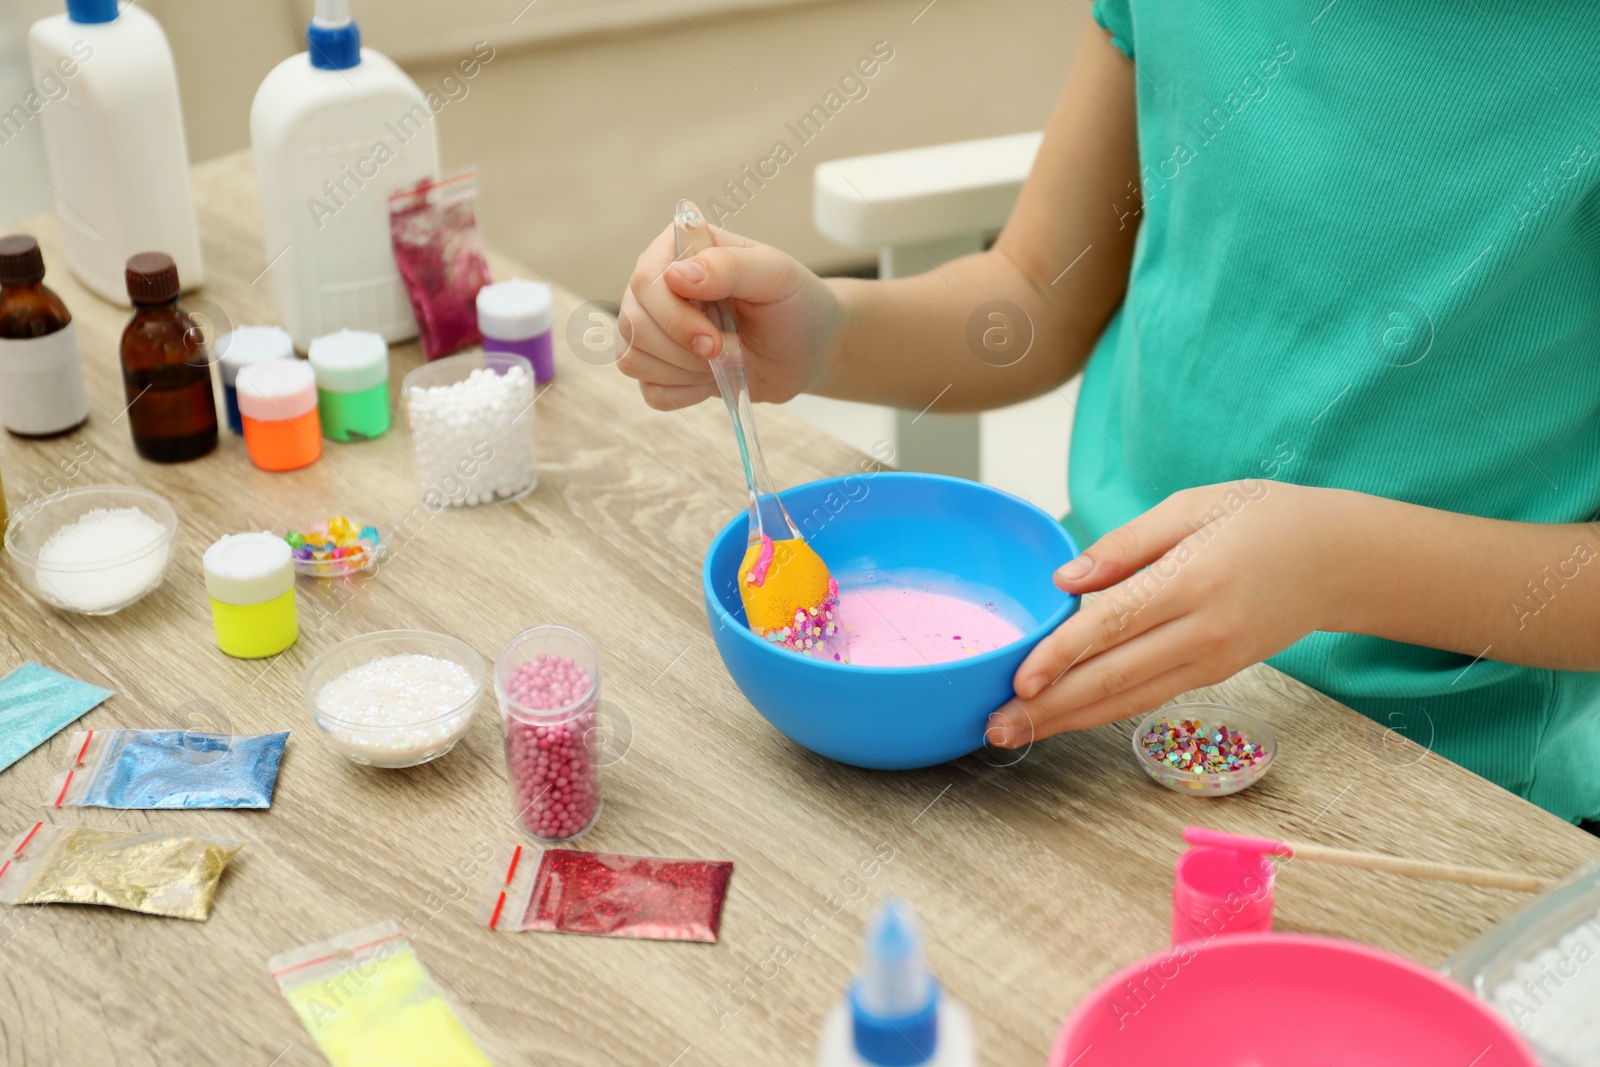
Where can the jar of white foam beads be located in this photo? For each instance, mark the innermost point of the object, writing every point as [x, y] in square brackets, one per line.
[395, 698]
[471, 419]
[1540, 968]
[547, 680]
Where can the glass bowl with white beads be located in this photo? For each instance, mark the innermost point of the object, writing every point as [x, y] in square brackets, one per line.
[395, 698]
[471, 421]
[1540, 968]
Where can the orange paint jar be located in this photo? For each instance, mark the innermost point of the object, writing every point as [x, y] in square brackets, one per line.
[278, 406]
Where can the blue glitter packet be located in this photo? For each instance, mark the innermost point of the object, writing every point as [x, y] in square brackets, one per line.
[35, 703]
[167, 769]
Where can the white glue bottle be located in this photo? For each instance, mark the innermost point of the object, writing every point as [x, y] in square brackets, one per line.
[894, 1014]
[114, 144]
[335, 130]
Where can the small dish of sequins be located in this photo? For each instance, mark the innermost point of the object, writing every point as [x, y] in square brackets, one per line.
[1208, 749]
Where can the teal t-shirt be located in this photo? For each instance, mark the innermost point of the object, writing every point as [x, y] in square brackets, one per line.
[1369, 258]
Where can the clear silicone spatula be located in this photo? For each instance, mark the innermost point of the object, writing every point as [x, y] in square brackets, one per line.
[789, 596]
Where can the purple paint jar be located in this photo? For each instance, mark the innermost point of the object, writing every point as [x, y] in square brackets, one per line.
[516, 316]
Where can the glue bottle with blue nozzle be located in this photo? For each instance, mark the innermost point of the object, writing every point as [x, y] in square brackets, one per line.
[335, 130]
[107, 102]
[894, 1014]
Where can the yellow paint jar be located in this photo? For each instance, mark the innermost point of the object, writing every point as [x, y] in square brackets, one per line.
[250, 578]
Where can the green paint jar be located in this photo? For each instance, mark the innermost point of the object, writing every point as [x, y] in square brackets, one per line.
[352, 368]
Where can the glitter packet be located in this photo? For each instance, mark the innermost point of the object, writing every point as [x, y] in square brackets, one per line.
[366, 1000]
[157, 874]
[35, 704]
[602, 893]
[434, 230]
[167, 769]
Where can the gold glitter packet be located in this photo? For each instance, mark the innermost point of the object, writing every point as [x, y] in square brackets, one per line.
[157, 874]
[367, 1001]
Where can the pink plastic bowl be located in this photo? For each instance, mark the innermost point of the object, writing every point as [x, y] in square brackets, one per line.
[1285, 1000]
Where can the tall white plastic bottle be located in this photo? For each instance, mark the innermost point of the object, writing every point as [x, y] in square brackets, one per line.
[894, 1014]
[335, 130]
[114, 142]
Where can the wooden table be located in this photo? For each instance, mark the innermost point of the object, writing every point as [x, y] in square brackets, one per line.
[1034, 880]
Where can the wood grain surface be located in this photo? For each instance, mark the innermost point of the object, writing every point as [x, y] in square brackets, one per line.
[1035, 877]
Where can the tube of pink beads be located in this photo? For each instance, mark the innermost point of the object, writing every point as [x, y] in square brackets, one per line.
[548, 683]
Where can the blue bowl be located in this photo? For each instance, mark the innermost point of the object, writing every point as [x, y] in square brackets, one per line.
[894, 718]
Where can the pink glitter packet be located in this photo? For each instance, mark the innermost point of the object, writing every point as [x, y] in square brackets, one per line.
[572, 892]
[434, 230]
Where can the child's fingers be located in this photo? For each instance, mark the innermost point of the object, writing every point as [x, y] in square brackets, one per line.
[673, 397]
[639, 333]
[1117, 616]
[1019, 722]
[644, 367]
[685, 325]
[1104, 676]
[1132, 546]
[679, 320]
[759, 274]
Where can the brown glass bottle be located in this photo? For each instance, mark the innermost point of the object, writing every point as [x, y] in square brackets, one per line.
[165, 369]
[41, 379]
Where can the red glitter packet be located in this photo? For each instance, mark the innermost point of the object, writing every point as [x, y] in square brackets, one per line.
[433, 227]
[603, 893]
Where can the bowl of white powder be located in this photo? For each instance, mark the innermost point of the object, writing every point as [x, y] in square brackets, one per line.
[93, 550]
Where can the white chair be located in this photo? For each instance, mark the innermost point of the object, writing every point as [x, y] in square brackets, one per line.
[919, 208]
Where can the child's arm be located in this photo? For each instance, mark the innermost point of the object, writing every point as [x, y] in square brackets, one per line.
[1063, 258]
[905, 342]
[1217, 578]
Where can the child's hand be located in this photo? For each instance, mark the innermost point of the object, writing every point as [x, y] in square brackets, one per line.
[1201, 586]
[786, 316]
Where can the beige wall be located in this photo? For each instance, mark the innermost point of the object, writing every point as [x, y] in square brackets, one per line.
[223, 48]
[583, 143]
[583, 148]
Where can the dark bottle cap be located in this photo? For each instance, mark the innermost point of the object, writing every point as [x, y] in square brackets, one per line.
[21, 262]
[152, 278]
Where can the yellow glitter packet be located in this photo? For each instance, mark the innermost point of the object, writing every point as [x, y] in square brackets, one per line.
[367, 1001]
[158, 874]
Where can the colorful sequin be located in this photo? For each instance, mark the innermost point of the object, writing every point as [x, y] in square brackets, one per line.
[1192, 746]
[812, 631]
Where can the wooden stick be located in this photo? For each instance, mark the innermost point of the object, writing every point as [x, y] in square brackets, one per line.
[1368, 861]
[1443, 872]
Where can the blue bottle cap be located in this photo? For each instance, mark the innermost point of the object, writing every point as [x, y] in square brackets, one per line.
[904, 1041]
[92, 11]
[894, 1006]
[334, 45]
